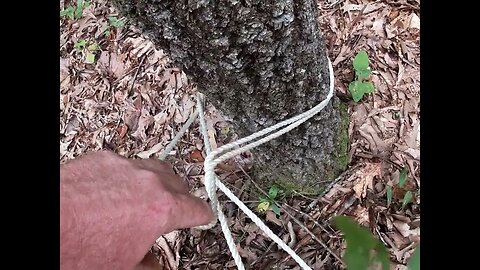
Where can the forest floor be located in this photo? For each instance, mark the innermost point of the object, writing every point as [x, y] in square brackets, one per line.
[118, 92]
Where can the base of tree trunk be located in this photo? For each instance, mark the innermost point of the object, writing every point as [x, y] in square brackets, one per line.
[259, 62]
[288, 178]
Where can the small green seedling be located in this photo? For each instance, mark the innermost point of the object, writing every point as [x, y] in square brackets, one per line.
[88, 49]
[80, 44]
[402, 180]
[75, 13]
[362, 84]
[389, 195]
[269, 201]
[113, 23]
[68, 12]
[406, 199]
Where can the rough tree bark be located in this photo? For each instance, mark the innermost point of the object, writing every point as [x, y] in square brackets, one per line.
[259, 62]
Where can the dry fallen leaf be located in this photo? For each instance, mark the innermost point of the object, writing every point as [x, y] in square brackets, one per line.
[272, 217]
[211, 139]
[196, 155]
[361, 215]
[378, 26]
[155, 149]
[414, 21]
[114, 63]
[64, 64]
[246, 253]
[64, 148]
[359, 115]
[143, 122]
[377, 145]
[253, 232]
[389, 61]
[391, 31]
[404, 229]
[364, 178]
[122, 130]
[169, 250]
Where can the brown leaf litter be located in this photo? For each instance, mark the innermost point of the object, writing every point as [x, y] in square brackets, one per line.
[133, 101]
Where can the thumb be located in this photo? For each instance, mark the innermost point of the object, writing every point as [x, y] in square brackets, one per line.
[191, 211]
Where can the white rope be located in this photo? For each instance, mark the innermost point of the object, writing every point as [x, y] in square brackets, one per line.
[226, 152]
[179, 135]
[213, 197]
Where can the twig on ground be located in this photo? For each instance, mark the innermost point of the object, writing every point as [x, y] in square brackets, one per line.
[138, 69]
[380, 236]
[127, 73]
[303, 196]
[293, 237]
[311, 218]
[264, 253]
[370, 155]
[314, 237]
[340, 177]
[296, 220]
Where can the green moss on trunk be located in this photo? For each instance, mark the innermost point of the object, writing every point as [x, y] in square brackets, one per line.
[336, 165]
[343, 139]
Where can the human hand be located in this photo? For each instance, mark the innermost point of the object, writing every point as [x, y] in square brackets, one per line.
[112, 209]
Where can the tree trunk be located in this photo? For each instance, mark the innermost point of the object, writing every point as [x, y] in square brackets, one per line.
[259, 62]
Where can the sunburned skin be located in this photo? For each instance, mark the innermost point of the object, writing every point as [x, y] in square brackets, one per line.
[112, 209]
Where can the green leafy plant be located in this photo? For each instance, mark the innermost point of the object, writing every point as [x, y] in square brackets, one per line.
[414, 261]
[80, 44]
[88, 49]
[268, 202]
[113, 23]
[68, 12]
[75, 13]
[362, 84]
[363, 250]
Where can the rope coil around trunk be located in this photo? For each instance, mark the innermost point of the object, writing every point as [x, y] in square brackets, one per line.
[230, 150]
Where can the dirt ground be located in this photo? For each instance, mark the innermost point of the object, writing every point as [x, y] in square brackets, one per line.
[132, 100]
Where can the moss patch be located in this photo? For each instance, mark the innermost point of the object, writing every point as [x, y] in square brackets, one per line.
[343, 140]
[265, 178]
[291, 188]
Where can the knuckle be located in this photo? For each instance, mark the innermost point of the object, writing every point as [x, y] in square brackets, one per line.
[149, 175]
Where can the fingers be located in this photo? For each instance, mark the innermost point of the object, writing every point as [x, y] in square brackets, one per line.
[154, 165]
[191, 211]
[175, 183]
[164, 170]
[165, 174]
[188, 210]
